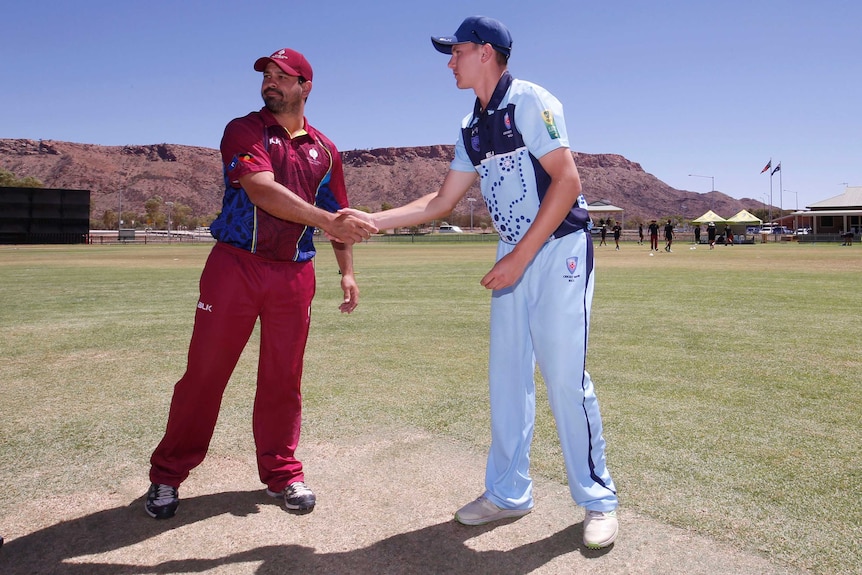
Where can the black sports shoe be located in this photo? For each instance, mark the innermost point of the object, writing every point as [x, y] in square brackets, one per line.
[162, 501]
[297, 497]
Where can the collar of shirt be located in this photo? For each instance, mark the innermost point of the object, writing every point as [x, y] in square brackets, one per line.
[497, 97]
[270, 121]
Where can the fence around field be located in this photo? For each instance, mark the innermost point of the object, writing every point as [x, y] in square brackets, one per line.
[432, 238]
[105, 237]
[102, 237]
[688, 237]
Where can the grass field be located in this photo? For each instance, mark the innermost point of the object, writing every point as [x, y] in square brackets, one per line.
[729, 379]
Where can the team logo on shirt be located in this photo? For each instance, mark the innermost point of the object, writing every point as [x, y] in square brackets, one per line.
[507, 126]
[548, 117]
[474, 138]
[571, 267]
[313, 156]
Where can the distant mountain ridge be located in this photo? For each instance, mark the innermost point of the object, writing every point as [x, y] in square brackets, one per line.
[193, 176]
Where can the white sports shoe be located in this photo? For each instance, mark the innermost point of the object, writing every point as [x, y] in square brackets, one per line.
[482, 511]
[600, 528]
[297, 497]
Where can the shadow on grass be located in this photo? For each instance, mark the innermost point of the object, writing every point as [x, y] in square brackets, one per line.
[440, 548]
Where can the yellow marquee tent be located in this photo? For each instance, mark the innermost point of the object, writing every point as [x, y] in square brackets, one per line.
[709, 216]
[744, 217]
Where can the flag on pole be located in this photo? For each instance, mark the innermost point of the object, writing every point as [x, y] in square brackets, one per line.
[767, 166]
[777, 169]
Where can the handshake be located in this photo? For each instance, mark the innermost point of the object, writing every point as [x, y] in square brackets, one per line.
[350, 226]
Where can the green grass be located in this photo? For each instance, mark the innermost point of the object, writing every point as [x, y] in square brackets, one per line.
[729, 379]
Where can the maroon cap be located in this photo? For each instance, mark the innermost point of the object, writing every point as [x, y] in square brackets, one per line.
[290, 61]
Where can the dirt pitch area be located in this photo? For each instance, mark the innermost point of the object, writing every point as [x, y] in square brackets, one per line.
[385, 506]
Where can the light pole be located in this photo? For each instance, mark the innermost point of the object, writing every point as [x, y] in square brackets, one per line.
[471, 201]
[169, 205]
[797, 198]
[795, 217]
[713, 185]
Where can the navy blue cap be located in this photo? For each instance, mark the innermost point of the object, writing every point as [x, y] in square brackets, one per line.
[478, 30]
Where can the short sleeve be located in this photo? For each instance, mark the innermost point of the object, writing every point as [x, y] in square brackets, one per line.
[540, 119]
[242, 149]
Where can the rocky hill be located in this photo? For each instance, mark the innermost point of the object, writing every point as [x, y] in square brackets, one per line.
[130, 175]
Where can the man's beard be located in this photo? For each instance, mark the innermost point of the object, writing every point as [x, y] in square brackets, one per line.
[278, 105]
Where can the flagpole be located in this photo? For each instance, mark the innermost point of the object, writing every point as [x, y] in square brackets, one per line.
[768, 168]
[770, 197]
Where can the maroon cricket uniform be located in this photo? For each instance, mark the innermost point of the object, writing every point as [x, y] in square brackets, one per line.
[261, 267]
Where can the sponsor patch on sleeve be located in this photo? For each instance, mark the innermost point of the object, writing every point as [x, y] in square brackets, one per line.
[548, 116]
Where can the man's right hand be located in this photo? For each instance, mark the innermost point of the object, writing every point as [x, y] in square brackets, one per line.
[348, 228]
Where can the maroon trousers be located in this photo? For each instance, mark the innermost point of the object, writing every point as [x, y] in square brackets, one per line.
[237, 288]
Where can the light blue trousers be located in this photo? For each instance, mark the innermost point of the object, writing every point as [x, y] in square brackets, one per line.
[544, 319]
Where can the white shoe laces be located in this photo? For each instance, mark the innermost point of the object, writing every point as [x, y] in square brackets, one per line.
[298, 488]
[591, 514]
[164, 494]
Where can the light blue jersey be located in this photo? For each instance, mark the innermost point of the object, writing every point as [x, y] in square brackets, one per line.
[544, 317]
[523, 123]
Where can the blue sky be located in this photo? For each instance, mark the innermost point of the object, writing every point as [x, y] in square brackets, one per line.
[682, 87]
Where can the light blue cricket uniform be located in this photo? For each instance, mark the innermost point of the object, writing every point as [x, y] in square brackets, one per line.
[544, 317]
